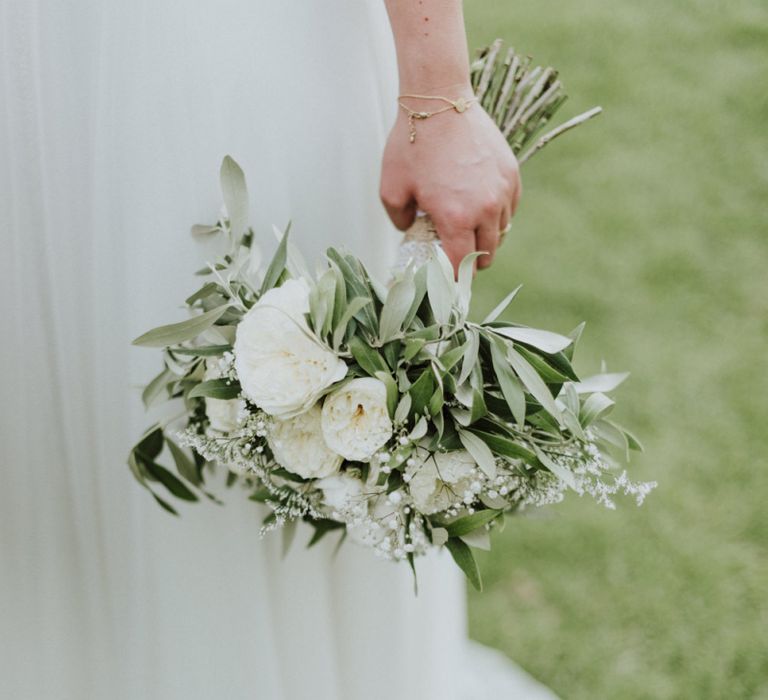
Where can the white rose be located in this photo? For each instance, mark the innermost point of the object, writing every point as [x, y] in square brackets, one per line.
[297, 444]
[222, 414]
[281, 366]
[441, 480]
[355, 421]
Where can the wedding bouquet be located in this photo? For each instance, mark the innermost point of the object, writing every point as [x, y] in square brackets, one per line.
[381, 411]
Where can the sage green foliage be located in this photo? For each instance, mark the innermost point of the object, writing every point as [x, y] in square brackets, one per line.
[650, 224]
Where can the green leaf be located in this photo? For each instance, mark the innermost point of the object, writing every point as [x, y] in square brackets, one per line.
[469, 523]
[609, 433]
[156, 386]
[321, 301]
[436, 401]
[491, 317]
[366, 356]
[174, 485]
[138, 473]
[420, 291]
[505, 447]
[571, 421]
[440, 289]
[464, 285]
[595, 406]
[402, 410]
[392, 352]
[208, 289]
[478, 409]
[548, 372]
[204, 351]
[413, 347]
[600, 382]
[322, 528]
[632, 441]
[534, 383]
[174, 333]
[216, 389]
[357, 286]
[260, 495]
[276, 266]
[352, 308]
[463, 556]
[452, 356]
[392, 393]
[479, 539]
[421, 391]
[574, 335]
[164, 504]
[150, 444]
[510, 385]
[235, 193]
[543, 340]
[203, 230]
[419, 430]
[396, 306]
[470, 356]
[184, 465]
[480, 452]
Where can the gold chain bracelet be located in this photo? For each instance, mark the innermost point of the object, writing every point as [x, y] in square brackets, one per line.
[459, 105]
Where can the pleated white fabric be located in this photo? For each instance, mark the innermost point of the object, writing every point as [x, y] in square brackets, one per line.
[114, 117]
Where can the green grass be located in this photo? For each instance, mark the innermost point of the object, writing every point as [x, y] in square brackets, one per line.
[651, 224]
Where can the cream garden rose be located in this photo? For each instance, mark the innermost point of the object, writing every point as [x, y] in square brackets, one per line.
[281, 366]
[355, 419]
[297, 444]
[441, 480]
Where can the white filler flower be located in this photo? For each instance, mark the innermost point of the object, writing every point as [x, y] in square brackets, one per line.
[281, 366]
[297, 444]
[441, 480]
[355, 421]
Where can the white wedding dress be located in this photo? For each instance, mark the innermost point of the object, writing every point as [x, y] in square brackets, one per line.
[114, 117]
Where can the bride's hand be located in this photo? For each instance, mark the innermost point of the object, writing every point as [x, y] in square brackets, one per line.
[460, 170]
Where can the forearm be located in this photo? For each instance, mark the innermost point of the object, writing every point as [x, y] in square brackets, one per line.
[431, 45]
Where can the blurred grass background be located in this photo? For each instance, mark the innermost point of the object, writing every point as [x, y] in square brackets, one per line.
[650, 224]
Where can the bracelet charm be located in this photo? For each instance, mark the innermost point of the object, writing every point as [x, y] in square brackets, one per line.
[458, 105]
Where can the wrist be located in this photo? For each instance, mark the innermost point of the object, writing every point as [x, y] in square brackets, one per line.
[451, 90]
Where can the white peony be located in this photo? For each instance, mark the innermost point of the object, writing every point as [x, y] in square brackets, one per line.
[222, 414]
[441, 480]
[281, 366]
[356, 422]
[297, 444]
